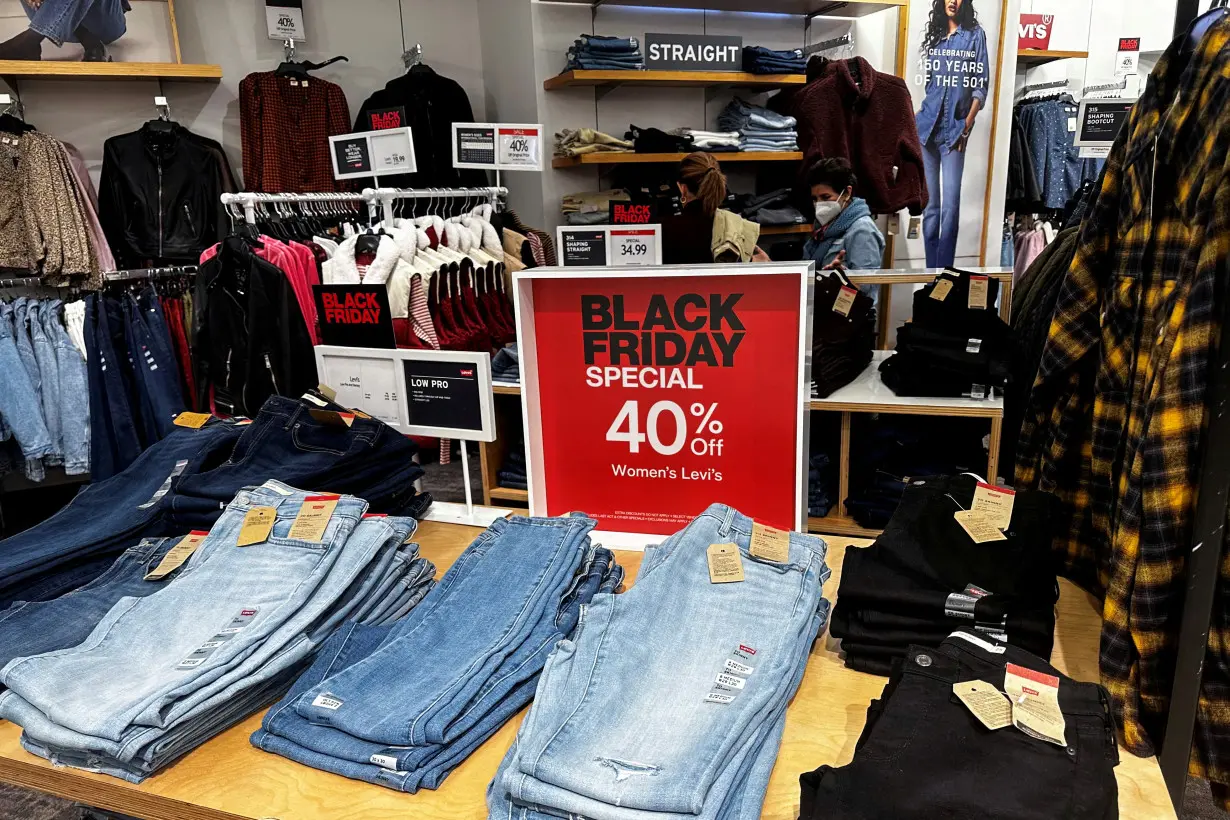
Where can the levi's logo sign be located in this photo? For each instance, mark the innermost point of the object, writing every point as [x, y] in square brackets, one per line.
[467, 373]
[690, 330]
[382, 119]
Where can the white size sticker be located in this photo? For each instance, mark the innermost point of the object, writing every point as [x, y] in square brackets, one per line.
[717, 697]
[736, 668]
[733, 681]
[973, 346]
[385, 762]
[327, 701]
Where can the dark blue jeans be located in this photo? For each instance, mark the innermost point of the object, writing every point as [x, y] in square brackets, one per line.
[114, 442]
[156, 375]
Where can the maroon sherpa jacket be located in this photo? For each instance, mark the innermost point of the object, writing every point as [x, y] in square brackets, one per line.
[854, 111]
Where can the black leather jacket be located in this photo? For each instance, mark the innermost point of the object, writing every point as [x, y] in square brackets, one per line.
[160, 197]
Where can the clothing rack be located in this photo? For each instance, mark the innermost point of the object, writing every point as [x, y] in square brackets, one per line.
[378, 199]
[27, 282]
[1056, 85]
[138, 274]
[1097, 89]
[829, 45]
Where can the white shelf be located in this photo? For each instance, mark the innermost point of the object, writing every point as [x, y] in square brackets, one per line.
[918, 276]
[869, 394]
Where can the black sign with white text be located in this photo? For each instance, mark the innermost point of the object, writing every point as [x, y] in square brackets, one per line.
[1102, 120]
[693, 52]
[355, 316]
[475, 145]
[443, 394]
[353, 156]
[584, 248]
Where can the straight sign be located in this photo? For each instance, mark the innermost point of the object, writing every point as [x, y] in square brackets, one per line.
[609, 245]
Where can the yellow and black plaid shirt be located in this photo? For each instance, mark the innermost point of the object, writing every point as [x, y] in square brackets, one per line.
[1114, 421]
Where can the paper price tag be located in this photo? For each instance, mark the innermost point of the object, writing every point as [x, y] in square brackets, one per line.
[845, 300]
[988, 704]
[1071, 125]
[257, 526]
[995, 504]
[725, 564]
[1035, 704]
[313, 518]
[979, 287]
[978, 527]
[284, 21]
[177, 555]
[634, 246]
[193, 421]
[941, 290]
[520, 148]
[770, 544]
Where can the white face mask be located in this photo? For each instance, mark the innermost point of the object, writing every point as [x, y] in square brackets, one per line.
[826, 212]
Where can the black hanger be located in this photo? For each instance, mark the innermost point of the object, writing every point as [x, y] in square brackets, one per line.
[1202, 24]
[300, 71]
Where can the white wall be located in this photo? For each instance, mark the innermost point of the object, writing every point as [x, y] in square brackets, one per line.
[232, 33]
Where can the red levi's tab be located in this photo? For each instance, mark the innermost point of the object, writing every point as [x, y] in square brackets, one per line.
[323, 497]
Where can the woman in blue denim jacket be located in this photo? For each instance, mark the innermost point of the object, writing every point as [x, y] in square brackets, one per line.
[954, 59]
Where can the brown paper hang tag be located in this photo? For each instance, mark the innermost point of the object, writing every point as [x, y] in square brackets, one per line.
[978, 527]
[332, 417]
[979, 288]
[987, 703]
[994, 503]
[313, 518]
[177, 555]
[770, 544]
[1035, 704]
[725, 564]
[940, 292]
[845, 300]
[257, 526]
[326, 391]
[193, 421]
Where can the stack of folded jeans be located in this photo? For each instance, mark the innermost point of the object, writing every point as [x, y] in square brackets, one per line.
[774, 208]
[820, 485]
[918, 735]
[925, 576]
[843, 334]
[759, 128]
[956, 346]
[713, 142]
[714, 665]
[575, 142]
[592, 52]
[185, 481]
[160, 674]
[512, 473]
[402, 706]
[506, 366]
[761, 60]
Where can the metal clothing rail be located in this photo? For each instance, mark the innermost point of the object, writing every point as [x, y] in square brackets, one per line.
[138, 274]
[378, 199]
[249, 201]
[829, 45]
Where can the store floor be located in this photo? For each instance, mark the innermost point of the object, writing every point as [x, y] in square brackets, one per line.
[444, 482]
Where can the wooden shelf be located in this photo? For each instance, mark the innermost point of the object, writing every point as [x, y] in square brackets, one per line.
[509, 494]
[50, 70]
[505, 389]
[672, 79]
[782, 230]
[835, 524]
[1033, 57]
[831, 8]
[606, 158]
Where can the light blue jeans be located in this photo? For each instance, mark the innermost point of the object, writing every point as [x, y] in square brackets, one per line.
[699, 674]
[58, 20]
[19, 404]
[49, 375]
[944, 169]
[74, 406]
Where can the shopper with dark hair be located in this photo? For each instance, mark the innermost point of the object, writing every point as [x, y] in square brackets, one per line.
[689, 237]
[844, 234]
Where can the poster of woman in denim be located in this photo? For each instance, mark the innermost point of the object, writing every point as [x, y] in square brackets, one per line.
[955, 69]
[91, 31]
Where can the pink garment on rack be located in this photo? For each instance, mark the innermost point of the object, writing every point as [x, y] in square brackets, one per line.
[1029, 246]
[106, 260]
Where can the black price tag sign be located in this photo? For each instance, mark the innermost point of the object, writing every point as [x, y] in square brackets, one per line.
[475, 146]
[355, 316]
[584, 249]
[353, 156]
[443, 394]
[1102, 120]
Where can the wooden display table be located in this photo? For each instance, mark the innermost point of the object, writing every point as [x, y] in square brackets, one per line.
[228, 779]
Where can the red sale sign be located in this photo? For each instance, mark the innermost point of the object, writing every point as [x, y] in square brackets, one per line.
[655, 394]
[1035, 31]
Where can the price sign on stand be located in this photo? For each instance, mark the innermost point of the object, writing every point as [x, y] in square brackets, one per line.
[519, 147]
[284, 20]
[618, 246]
[651, 393]
[373, 153]
[1098, 125]
[497, 146]
[636, 246]
[1127, 60]
[437, 393]
[474, 145]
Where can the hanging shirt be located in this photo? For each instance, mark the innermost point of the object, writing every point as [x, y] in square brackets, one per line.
[286, 124]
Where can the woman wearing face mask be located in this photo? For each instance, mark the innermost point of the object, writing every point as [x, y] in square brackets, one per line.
[687, 239]
[844, 234]
[958, 71]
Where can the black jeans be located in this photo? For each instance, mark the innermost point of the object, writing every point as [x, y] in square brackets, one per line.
[922, 754]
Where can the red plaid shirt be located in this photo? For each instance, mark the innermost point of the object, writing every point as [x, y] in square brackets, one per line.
[286, 124]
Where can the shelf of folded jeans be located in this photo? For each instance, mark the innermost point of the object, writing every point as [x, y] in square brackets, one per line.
[613, 158]
[228, 779]
[52, 70]
[834, 8]
[1033, 57]
[869, 394]
[505, 388]
[779, 230]
[676, 79]
[837, 524]
[510, 494]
